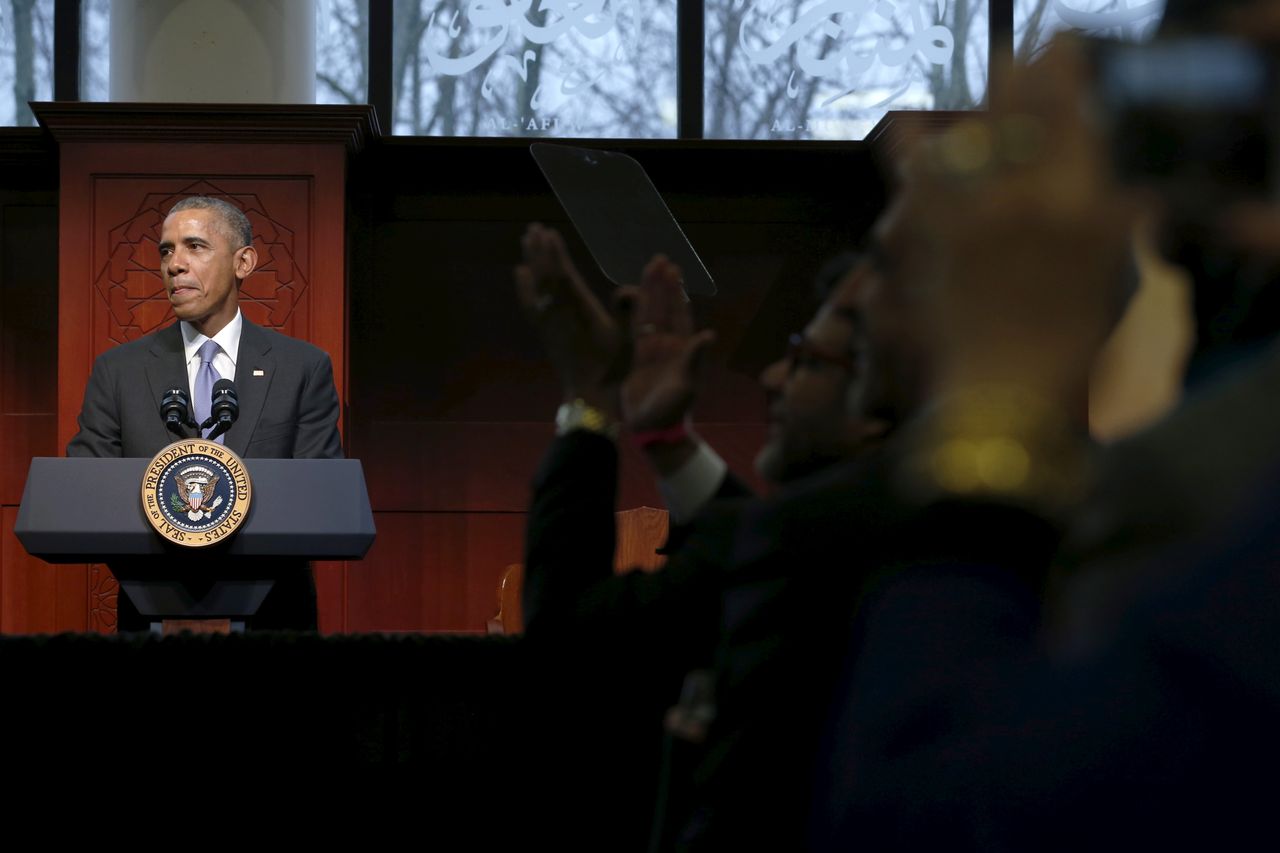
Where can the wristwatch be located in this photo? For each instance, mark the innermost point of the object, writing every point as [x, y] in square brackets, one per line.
[579, 414]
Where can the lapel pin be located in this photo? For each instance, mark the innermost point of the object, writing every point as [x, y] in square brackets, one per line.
[259, 373]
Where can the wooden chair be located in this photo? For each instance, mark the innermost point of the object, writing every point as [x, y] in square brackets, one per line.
[641, 532]
[509, 619]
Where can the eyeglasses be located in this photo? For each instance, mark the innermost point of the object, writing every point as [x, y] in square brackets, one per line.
[802, 352]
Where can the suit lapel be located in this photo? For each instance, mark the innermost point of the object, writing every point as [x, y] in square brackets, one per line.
[255, 368]
[166, 369]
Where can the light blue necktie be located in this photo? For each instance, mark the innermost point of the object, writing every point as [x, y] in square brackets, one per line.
[206, 375]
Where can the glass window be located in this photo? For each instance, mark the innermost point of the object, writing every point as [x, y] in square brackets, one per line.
[1035, 21]
[95, 50]
[831, 69]
[26, 58]
[594, 68]
[342, 51]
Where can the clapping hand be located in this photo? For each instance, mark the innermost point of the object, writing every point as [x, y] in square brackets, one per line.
[660, 387]
[585, 342]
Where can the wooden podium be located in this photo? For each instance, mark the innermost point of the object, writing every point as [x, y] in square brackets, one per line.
[222, 583]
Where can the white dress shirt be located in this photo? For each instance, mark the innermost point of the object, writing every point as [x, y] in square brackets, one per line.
[224, 362]
[691, 488]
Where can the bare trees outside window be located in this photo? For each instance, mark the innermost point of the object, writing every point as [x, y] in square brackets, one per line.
[342, 51]
[1035, 21]
[95, 50]
[26, 58]
[830, 69]
[773, 69]
[597, 68]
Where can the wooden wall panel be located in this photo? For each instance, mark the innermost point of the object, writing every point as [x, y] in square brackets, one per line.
[23, 436]
[331, 596]
[432, 571]
[28, 307]
[28, 587]
[29, 598]
[444, 339]
[36, 598]
[459, 466]
[450, 466]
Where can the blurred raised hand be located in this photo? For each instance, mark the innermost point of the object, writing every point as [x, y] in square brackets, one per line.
[585, 342]
[1032, 239]
[660, 387]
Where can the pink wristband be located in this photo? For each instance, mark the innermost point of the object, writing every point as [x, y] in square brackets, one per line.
[670, 435]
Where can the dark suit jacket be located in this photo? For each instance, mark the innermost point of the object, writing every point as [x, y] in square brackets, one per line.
[289, 411]
[666, 619]
[1179, 479]
[955, 729]
[1151, 721]
[758, 591]
[614, 648]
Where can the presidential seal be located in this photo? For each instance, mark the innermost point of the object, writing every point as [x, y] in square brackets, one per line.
[196, 493]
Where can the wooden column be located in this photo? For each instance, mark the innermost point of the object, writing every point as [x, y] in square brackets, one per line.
[121, 167]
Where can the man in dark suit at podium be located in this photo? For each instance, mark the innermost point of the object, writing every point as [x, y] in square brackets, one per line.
[288, 404]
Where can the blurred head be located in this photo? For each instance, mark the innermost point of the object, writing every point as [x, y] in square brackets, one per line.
[890, 303]
[812, 391]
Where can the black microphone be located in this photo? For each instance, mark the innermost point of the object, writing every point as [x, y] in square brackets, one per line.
[224, 408]
[175, 408]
